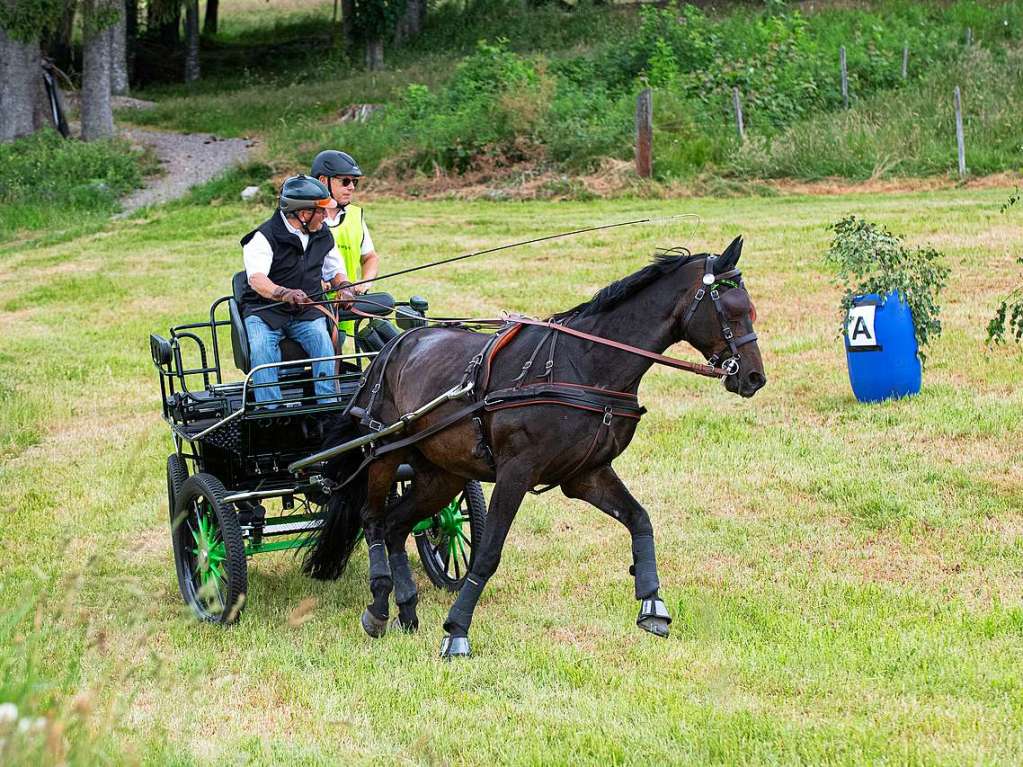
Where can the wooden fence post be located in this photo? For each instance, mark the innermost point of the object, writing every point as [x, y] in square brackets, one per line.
[905, 60]
[960, 139]
[845, 77]
[737, 104]
[644, 133]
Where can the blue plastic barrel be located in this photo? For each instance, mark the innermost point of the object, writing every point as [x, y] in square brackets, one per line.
[880, 348]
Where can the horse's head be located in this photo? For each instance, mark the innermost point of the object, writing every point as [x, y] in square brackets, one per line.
[717, 317]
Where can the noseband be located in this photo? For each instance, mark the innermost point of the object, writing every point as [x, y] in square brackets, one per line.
[729, 364]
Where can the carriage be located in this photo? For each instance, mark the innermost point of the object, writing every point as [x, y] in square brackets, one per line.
[230, 492]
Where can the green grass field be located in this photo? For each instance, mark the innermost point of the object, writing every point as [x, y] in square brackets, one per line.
[845, 580]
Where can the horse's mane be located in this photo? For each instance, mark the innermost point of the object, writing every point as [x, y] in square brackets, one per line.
[664, 261]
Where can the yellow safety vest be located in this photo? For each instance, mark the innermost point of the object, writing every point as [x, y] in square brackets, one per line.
[348, 237]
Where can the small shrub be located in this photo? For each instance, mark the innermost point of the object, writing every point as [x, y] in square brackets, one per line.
[870, 259]
[1009, 315]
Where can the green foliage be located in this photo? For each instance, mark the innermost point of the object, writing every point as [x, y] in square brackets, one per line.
[491, 100]
[27, 20]
[870, 259]
[573, 104]
[1009, 315]
[46, 179]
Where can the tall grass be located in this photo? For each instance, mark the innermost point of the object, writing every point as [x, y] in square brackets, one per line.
[48, 181]
[910, 132]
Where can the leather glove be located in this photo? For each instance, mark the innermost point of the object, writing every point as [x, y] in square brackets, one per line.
[345, 295]
[293, 296]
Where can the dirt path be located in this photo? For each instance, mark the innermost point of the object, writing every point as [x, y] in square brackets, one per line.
[187, 159]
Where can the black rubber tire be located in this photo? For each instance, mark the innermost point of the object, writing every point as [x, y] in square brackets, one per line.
[203, 495]
[450, 573]
[177, 473]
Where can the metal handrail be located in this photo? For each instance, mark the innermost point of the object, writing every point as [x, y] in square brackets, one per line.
[245, 386]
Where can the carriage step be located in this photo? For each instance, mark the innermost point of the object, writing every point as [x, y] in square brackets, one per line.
[286, 528]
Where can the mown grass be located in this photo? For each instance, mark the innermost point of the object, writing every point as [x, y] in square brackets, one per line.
[844, 579]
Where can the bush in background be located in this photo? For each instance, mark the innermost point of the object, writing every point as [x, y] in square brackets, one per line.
[46, 178]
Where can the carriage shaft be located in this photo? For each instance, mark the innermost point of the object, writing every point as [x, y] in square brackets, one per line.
[325, 455]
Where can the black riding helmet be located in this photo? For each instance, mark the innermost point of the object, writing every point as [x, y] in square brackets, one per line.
[304, 193]
[331, 162]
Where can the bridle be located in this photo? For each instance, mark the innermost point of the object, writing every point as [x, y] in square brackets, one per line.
[728, 366]
[730, 363]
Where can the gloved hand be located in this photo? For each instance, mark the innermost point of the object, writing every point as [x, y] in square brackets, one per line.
[345, 295]
[293, 296]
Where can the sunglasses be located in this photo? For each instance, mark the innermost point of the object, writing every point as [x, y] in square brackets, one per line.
[348, 181]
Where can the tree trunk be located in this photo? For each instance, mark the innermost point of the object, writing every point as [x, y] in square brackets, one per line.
[58, 42]
[131, 34]
[347, 23]
[164, 17]
[119, 51]
[375, 54]
[209, 25]
[20, 78]
[192, 41]
[411, 22]
[97, 116]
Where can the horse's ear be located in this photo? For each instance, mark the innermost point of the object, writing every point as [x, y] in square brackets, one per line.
[727, 260]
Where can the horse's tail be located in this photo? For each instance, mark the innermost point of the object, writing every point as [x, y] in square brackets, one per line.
[331, 548]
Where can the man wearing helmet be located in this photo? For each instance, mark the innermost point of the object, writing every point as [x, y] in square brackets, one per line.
[339, 172]
[286, 257]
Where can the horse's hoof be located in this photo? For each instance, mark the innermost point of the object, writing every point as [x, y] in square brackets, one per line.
[407, 628]
[455, 647]
[374, 626]
[654, 617]
[656, 626]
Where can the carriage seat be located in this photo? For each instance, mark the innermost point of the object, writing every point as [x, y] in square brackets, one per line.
[380, 304]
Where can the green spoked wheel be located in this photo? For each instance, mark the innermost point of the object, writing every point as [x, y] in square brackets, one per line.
[446, 540]
[209, 552]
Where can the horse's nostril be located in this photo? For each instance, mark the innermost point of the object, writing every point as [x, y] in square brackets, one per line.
[755, 379]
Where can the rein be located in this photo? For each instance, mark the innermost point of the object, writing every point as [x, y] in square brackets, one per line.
[710, 371]
[661, 359]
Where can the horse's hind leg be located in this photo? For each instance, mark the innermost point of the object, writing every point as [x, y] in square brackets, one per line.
[431, 491]
[380, 479]
[603, 488]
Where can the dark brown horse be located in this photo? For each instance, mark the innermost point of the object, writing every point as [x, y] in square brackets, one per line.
[560, 410]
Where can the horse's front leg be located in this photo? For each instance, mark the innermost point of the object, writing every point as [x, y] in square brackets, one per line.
[509, 490]
[603, 488]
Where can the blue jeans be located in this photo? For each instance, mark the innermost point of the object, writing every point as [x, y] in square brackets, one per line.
[311, 335]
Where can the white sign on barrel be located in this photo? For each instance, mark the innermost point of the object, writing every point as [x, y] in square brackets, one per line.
[859, 329]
